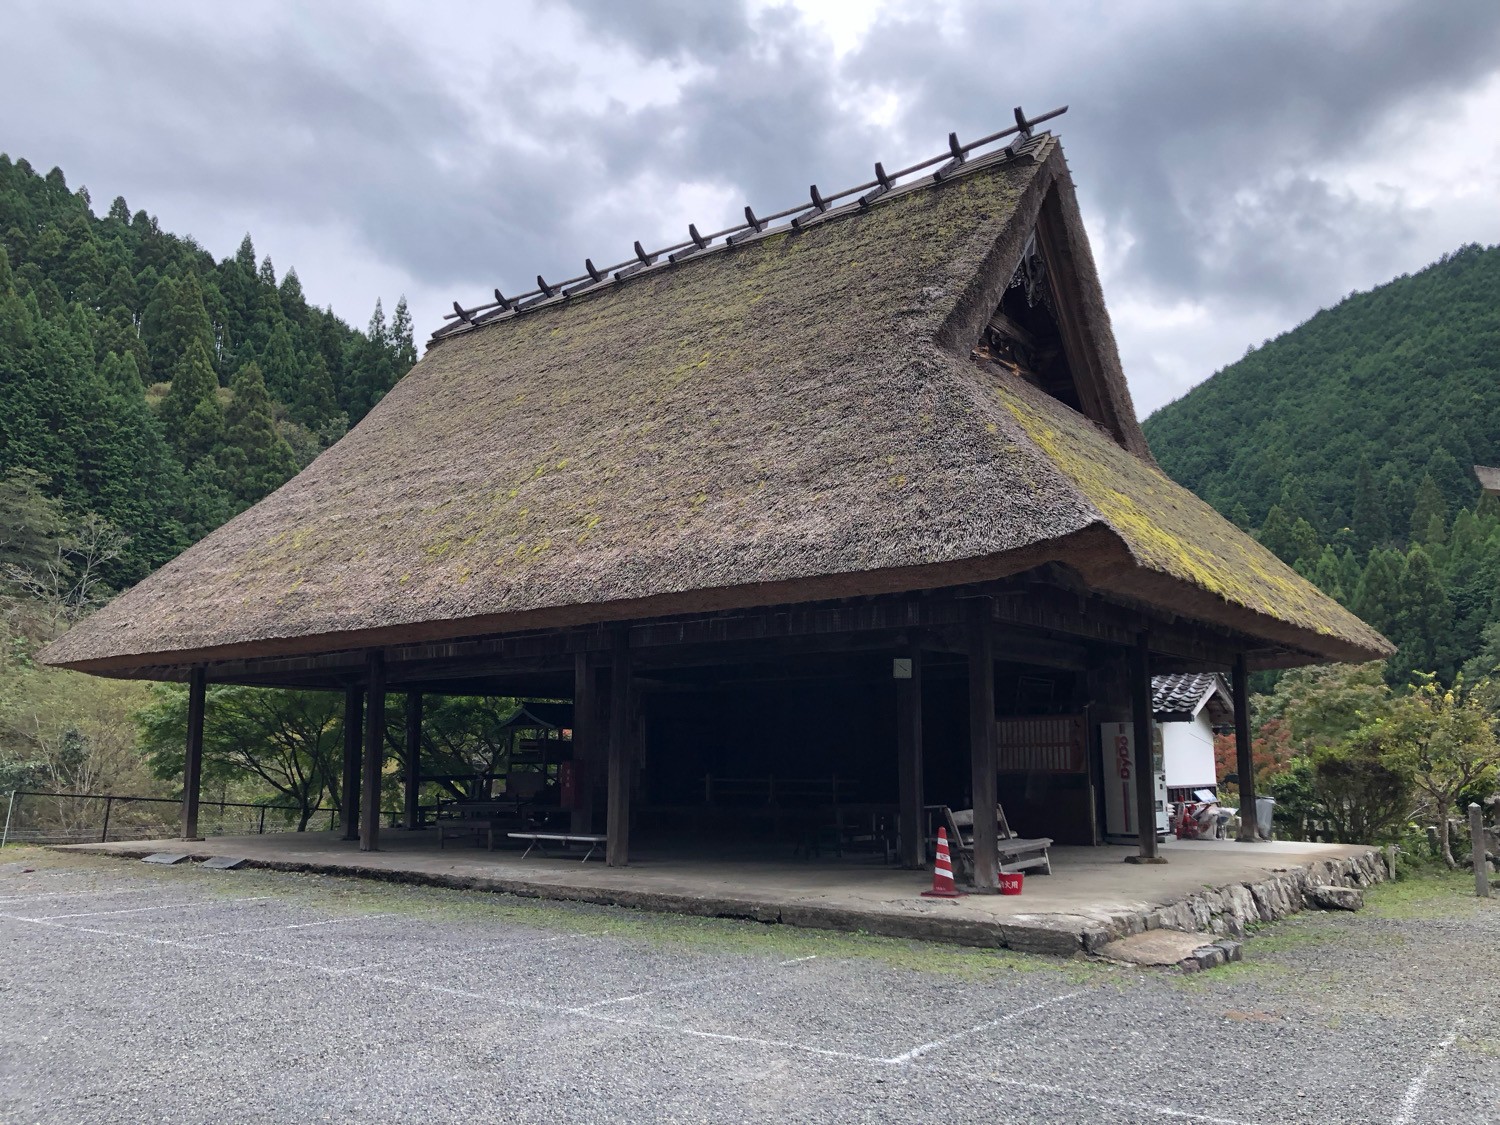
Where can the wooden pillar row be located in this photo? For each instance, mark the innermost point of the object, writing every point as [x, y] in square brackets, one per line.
[192, 762]
[617, 847]
[982, 750]
[909, 760]
[354, 719]
[1244, 754]
[369, 811]
[1145, 772]
[413, 772]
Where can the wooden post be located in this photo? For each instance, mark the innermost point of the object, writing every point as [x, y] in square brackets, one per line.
[1145, 771]
[617, 847]
[586, 743]
[982, 754]
[354, 721]
[1244, 752]
[909, 756]
[1476, 847]
[413, 776]
[192, 762]
[369, 809]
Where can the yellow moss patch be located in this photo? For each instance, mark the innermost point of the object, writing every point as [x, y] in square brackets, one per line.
[1171, 531]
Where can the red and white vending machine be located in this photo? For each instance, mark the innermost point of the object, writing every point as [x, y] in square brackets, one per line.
[1118, 740]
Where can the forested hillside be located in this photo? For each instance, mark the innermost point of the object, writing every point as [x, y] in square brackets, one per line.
[151, 392]
[1347, 445]
[1404, 379]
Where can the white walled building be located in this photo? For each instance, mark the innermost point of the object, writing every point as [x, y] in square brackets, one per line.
[1189, 707]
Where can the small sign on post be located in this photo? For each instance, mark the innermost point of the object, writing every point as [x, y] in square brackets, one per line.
[1481, 862]
[901, 668]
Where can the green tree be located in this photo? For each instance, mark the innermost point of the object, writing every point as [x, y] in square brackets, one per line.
[1377, 598]
[177, 321]
[401, 338]
[32, 523]
[279, 364]
[1423, 627]
[314, 403]
[1446, 741]
[292, 741]
[1359, 791]
[256, 458]
[1328, 575]
[191, 414]
[1430, 507]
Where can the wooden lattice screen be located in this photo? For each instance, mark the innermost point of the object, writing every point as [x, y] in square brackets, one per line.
[1043, 744]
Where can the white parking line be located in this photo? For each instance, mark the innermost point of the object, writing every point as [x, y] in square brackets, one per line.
[685, 983]
[507, 946]
[908, 1059]
[137, 909]
[293, 926]
[512, 946]
[723, 1037]
[1150, 1107]
[75, 894]
[917, 1052]
[1408, 1107]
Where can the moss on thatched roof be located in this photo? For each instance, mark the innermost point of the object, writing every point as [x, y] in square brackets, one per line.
[790, 419]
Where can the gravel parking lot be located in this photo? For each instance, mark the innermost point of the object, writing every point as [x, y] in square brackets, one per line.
[132, 993]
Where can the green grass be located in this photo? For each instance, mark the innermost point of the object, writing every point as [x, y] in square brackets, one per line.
[342, 896]
[1431, 893]
[1434, 893]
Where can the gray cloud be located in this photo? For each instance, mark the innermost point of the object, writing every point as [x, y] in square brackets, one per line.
[482, 146]
[1184, 108]
[669, 29]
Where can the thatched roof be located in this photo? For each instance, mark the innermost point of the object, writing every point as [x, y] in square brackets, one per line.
[795, 418]
[1489, 478]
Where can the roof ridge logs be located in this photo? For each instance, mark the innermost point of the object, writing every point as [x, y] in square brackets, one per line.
[954, 159]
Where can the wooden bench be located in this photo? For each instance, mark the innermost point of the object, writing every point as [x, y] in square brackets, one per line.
[1015, 854]
[476, 817]
[540, 840]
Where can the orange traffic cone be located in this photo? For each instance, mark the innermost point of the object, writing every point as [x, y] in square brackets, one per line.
[942, 871]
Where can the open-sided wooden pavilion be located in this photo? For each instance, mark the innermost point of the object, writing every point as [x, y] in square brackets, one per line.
[840, 496]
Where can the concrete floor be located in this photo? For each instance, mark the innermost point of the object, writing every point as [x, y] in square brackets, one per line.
[1090, 890]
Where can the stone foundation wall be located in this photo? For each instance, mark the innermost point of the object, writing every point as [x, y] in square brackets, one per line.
[1228, 910]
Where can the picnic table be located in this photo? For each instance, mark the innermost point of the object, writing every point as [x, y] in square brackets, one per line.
[473, 818]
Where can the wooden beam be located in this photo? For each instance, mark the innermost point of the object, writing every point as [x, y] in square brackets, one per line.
[1055, 615]
[369, 806]
[617, 847]
[192, 761]
[587, 743]
[413, 774]
[1145, 772]
[1006, 326]
[1239, 686]
[909, 759]
[354, 721]
[982, 752]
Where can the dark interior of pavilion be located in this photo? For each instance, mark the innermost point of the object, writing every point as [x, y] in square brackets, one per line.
[793, 755]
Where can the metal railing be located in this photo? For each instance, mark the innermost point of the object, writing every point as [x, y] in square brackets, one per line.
[99, 817]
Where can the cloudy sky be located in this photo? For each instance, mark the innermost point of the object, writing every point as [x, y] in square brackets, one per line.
[1240, 165]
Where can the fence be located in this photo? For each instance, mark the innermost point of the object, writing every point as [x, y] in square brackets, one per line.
[34, 817]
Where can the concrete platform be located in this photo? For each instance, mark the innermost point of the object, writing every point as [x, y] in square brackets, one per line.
[1091, 898]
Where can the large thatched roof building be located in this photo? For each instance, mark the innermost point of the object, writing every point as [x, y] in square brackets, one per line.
[888, 410]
